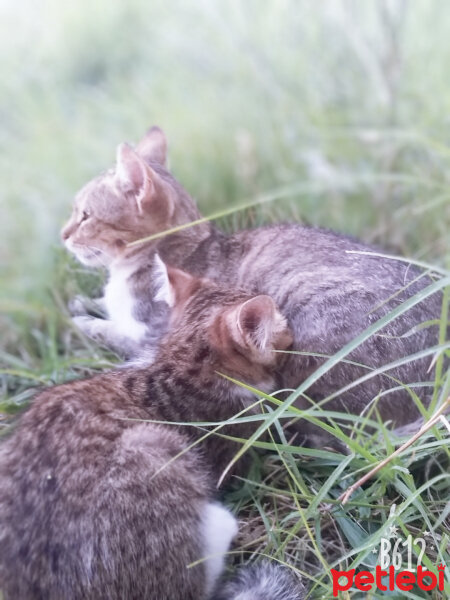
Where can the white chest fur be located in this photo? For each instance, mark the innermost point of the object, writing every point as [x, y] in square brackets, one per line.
[120, 303]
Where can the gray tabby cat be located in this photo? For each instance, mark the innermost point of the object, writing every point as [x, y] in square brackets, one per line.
[101, 227]
[327, 294]
[98, 502]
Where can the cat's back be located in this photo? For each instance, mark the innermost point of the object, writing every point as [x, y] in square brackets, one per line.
[331, 288]
[68, 418]
[316, 269]
[85, 509]
[52, 462]
[277, 253]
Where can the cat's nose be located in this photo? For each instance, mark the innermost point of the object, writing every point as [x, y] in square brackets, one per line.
[65, 232]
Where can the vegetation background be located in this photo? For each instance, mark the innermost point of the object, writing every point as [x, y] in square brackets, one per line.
[338, 111]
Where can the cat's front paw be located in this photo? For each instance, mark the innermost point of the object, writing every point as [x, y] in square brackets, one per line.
[89, 326]
[78, 306]
[82, 305]
[104, 333]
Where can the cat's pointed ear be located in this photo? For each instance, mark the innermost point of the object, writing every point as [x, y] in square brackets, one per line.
[173, 286]
[153, 146]
[132, 176]
[182, 285]
[135, 177]
[258, 328]
[160, 276]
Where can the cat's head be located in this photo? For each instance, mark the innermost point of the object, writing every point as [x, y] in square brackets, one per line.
[135, 199]
[215, 329]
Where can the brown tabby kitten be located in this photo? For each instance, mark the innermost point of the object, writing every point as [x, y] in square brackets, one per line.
[97, 502]
[328, 295]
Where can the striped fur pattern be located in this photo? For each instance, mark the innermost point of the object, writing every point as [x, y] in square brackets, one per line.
[327, 287]
[120, 206]
[99, 501]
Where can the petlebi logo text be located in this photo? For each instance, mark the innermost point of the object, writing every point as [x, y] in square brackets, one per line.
[399, 568]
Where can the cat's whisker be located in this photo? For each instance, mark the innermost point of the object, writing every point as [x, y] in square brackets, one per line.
[100, 254]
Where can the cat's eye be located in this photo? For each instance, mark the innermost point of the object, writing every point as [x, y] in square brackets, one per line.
[85, 215]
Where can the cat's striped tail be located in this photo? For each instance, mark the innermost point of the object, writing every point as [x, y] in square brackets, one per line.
[262, 581]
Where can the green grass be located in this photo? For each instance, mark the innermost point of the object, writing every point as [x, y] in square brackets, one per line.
[336, 111]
